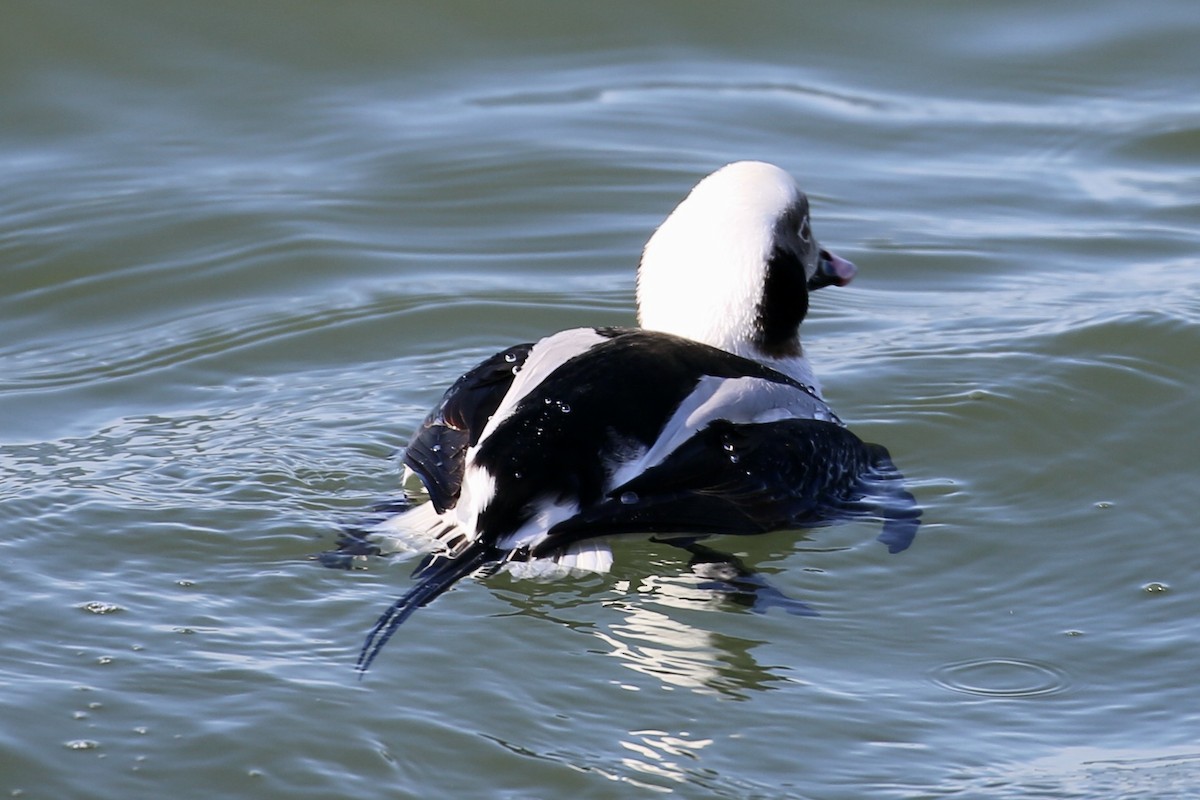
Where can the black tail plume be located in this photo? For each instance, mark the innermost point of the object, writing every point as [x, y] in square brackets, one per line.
[435, 576]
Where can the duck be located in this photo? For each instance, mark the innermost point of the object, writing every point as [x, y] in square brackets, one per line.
[705, 419]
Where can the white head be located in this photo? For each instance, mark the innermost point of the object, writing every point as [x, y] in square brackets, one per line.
[734, 262]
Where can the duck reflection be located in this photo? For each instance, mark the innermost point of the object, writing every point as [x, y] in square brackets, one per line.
[658, 634]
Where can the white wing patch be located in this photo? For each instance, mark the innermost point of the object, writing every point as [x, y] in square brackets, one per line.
[533, 530]
[546, 356]
[739, 400]
[423, 530]
[593, 555]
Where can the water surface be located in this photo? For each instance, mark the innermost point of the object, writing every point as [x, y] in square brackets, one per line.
[243, 249]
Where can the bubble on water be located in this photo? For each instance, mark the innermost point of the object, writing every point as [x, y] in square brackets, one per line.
[1155, 587]
[629, 498]
[81, 744]
[100, 607]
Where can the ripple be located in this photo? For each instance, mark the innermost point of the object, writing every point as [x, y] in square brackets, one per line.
[1087, 771]
[1001, 677]
[594, 93]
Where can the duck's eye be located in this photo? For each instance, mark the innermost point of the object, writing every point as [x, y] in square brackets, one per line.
[805, 232]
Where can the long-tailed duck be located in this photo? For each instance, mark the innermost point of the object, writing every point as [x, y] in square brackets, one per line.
[706, 419]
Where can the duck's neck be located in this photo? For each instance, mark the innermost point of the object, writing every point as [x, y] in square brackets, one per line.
[796, 367]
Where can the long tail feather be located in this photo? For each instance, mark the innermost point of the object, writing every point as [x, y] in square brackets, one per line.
[436, 575]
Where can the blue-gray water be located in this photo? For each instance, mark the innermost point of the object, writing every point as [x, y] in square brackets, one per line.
[244, 246]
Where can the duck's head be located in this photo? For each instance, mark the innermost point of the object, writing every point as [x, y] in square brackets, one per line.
[733, 264]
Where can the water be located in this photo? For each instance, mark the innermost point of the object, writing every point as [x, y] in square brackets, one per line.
[243, 248]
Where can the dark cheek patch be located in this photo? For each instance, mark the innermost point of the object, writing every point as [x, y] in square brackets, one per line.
[783, 305]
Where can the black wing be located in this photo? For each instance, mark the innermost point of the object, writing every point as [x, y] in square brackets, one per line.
[438, 449]
[751, 478]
